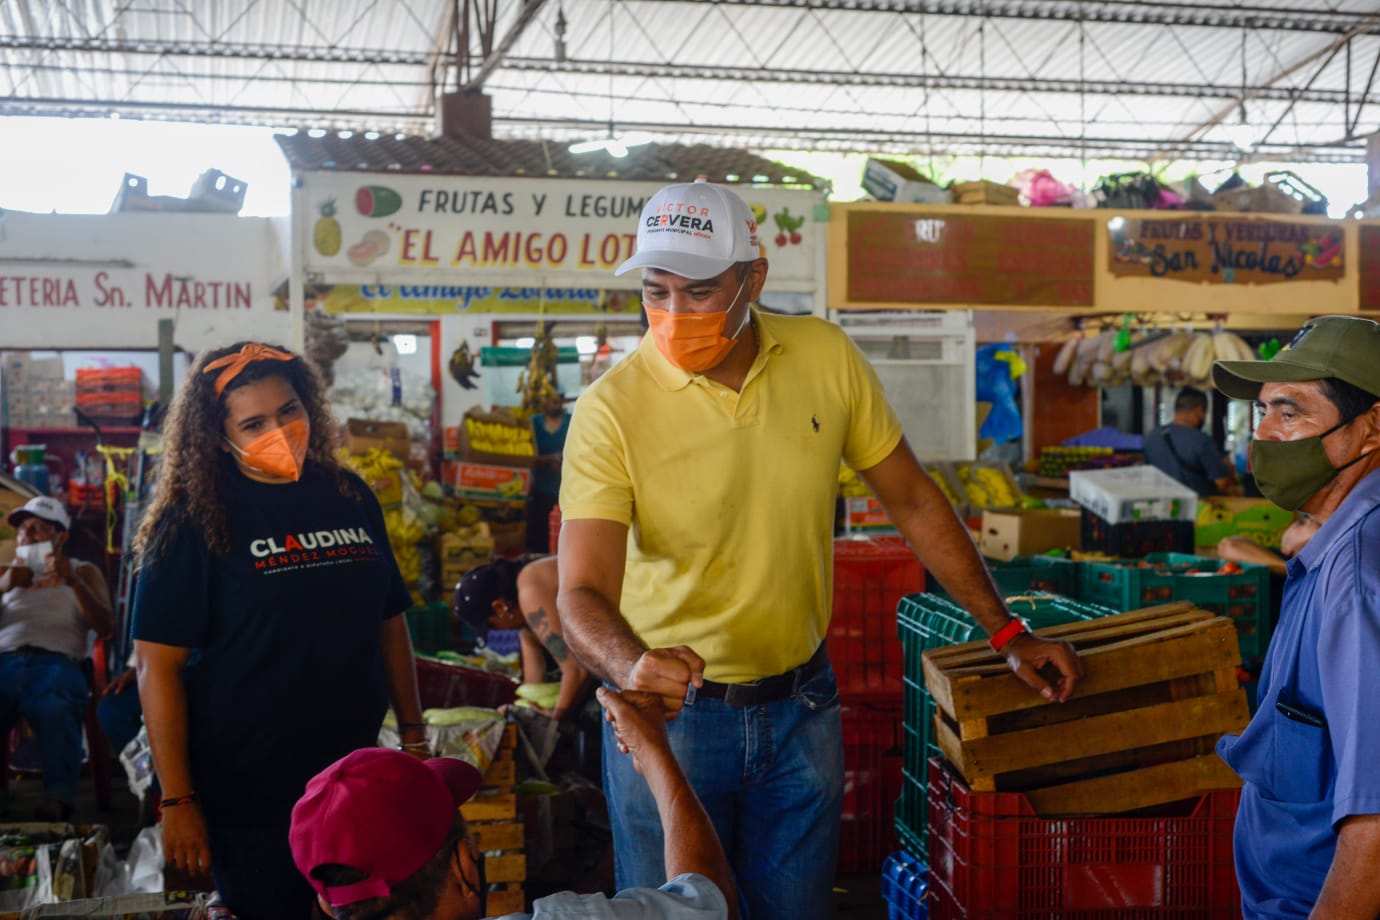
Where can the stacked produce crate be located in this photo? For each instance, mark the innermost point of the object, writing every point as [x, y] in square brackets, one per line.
[488, 464]
[1037, 793]
[492, 821]
[931, 621]
[870, 577]
[1134, 510]
[461, 549]
[111, 395]
[36, 393]
[1240, 593]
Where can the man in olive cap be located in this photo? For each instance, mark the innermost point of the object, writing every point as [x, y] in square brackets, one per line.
[1308, 829]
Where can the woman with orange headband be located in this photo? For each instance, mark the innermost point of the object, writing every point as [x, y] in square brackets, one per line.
[266, 617]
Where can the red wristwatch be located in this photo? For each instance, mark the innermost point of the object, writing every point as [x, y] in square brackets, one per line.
[1011, 630]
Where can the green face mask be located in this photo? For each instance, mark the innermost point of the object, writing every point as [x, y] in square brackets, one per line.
[1289, 473]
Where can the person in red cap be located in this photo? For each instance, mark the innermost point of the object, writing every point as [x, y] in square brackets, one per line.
[267, 620]
[49, 603]
[378, 834]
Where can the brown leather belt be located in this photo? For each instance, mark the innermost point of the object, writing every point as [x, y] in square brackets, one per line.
[766, 690]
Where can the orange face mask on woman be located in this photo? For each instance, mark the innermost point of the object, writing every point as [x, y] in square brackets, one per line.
[695, 342]
[280, 452]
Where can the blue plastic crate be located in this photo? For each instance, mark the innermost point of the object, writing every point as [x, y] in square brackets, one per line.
[905, 885]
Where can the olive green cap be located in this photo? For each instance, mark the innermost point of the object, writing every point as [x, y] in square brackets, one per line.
[1344, 347]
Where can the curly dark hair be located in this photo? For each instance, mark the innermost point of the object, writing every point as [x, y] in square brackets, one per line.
[194, 474]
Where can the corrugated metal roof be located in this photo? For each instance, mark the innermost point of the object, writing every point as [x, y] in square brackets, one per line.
[1102, 77]
[469, 156]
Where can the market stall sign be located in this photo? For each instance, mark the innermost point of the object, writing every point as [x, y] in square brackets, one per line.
[566, 233]
[947, 258]
[439, 299]
[104, 281]
[1220, 249]
[1370, 267]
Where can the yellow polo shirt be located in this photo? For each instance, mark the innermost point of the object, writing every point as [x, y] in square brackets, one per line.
[729, 497]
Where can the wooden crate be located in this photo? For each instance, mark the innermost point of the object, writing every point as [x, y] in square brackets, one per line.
[1160, 687]
[984, 192]
[492, 820]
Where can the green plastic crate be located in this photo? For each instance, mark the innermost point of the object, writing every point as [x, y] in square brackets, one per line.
[1243, 597]
[926, 621]
[1024, 574]
[429, 627]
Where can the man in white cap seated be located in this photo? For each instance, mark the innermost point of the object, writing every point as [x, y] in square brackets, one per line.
[697, 498]
[379, 834]
[48, 604]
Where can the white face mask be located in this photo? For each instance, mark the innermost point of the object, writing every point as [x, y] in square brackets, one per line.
[35, 556]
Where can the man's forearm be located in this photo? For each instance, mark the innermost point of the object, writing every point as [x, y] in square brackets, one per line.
[691, 844]
[943, 545]
[598, 634]
[1352, 888]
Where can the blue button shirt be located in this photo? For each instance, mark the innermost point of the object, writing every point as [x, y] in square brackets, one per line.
[1306, 772]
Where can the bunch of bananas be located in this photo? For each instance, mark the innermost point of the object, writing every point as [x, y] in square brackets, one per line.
[850, 486]
[404, 530]
[370, 466]
[943, 485]
[987, 487]
[498, 438]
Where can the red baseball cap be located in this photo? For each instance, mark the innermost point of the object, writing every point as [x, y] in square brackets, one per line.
[380, 811]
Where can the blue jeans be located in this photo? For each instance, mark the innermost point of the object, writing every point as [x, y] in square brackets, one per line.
[121, 716]
[50, 692]
[770, 777]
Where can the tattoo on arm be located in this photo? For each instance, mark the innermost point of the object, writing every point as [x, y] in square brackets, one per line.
[537, 620]
[557, 647]
[549, 637]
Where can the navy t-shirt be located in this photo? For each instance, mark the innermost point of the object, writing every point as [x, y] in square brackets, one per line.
[286, 675]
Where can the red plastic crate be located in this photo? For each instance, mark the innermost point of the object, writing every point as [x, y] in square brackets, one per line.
[991, 857]
[442, 686]
[870, 578]
[871, 782]
[554, 531]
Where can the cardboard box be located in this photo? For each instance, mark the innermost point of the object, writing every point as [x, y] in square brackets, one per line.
[480, 480]
[465, 450]
[866, 515]
[892, 180]
[1008, 534]
[1133, 493]
[363, 435]
[1257, 518]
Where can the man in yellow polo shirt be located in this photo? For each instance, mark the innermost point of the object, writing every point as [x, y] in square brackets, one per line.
[698, 502]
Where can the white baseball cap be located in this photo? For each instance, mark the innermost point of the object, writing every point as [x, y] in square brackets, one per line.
[41, 506]
[695, 230]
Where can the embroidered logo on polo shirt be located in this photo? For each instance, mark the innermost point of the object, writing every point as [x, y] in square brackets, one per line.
[814, 422]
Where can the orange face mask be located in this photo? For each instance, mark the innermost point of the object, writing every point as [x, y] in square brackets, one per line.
[695, 342]
[280, 452]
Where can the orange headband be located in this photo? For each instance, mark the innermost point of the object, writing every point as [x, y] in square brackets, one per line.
[237, 362]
